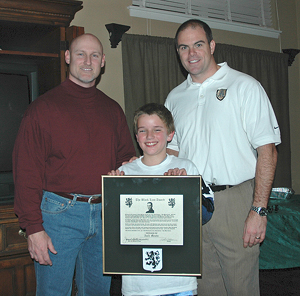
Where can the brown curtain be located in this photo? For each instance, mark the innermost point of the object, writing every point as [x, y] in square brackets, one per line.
[151, 69]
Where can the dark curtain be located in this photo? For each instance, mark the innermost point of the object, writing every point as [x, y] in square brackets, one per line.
[151, 69]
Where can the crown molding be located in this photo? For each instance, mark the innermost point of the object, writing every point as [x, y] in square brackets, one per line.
[48, 12]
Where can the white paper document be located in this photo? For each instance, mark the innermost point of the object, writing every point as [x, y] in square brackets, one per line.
[151, 219]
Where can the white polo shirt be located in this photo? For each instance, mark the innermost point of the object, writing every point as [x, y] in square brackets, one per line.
[220, 123]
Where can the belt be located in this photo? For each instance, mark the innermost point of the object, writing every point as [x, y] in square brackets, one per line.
[91, 199]
[217, 188]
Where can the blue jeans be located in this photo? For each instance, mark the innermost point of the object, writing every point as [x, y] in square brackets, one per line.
[75, 229]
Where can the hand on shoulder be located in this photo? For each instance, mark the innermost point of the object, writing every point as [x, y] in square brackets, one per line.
[130, 160]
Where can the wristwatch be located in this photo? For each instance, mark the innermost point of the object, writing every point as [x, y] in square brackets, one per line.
[260, 210]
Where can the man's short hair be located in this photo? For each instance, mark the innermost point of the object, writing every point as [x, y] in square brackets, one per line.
[158, 109]
[193, 23]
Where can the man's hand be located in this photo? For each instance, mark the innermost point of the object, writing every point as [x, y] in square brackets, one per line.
[175, 172]
[254, 230]
[38, 245]
[130, 160]
[172, 152]
[256, 225]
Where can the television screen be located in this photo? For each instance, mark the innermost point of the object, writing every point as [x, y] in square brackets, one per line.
[18, 87]
[14, 100]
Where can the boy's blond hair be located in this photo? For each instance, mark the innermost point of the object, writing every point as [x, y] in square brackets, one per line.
[158, 109]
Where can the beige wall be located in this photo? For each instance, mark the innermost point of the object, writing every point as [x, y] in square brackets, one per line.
[96, 13]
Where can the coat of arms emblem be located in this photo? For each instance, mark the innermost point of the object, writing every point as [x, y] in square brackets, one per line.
[221, 94]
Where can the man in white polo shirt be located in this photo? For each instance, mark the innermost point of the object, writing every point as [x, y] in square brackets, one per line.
[226, 125]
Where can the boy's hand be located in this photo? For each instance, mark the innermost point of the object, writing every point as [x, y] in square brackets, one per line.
[116, 173]
[175, 172]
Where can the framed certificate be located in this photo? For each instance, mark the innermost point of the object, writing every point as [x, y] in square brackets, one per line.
[152, 225]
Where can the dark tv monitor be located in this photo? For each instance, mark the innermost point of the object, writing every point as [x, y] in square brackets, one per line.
[18, 88]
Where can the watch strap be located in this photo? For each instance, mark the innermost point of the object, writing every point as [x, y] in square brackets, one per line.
[260, 210]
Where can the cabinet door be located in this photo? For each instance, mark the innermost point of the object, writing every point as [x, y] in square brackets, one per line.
[66, 36]
[17, 276]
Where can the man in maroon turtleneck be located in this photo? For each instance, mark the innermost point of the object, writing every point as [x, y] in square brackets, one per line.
[68, 138]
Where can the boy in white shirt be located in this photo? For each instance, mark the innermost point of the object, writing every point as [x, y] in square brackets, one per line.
[154, 128]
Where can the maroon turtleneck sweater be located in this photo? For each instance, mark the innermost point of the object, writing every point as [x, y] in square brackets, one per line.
[68, 138]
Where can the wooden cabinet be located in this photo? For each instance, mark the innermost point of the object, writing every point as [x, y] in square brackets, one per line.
[38, 31]
[16, 267]
[34, 34]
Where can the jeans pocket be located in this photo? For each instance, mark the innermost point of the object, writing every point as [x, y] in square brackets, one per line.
[54, 204]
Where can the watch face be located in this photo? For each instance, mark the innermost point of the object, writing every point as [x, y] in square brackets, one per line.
[260, 210]
[263, 212]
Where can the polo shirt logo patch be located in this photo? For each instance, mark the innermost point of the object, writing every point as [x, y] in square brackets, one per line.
[221, 94]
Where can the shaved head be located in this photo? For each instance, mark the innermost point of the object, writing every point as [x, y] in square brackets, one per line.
[85, 58]
[86, 36]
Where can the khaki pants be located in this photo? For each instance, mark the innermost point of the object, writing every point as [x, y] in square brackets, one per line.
[228, 267]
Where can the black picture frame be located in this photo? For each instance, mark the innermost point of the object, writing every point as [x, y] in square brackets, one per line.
[127, 259]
